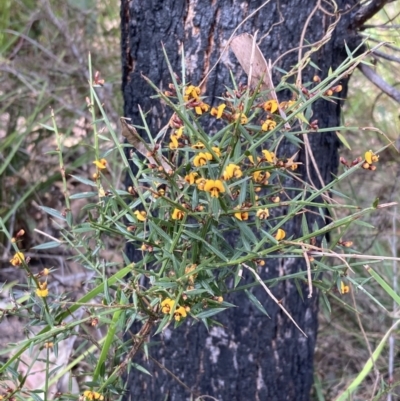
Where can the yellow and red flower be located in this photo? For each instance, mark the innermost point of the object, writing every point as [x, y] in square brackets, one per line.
[201, 159]
[218, 111]
[141, 215]
[42, 291]
[232, 170]
[271, 106]
[17, 259]
[262, 214]
[101, 164]
[215, 187]
[178, 214]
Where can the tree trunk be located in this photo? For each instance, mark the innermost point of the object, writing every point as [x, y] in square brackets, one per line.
[250, 357]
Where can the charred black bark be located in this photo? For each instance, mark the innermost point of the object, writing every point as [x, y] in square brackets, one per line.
[250, 357]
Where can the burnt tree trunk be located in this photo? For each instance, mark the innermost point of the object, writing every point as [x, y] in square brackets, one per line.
[250, 357]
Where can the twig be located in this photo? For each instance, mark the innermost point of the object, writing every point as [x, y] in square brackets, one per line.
[380, 82]
[303, 34]
[48, 236]
[176, 378]
[273, 297]
[353, 255]
[307, 260]
[367, 12]
[395, 306]
[388, 45]
[386, 56]
[360, 325]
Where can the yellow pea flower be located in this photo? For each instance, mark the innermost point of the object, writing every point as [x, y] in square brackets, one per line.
[280, 234]
[242, 216]
[262, 214]
[215, 187]
[201, 159]
[180, 313]
[217, 150]
[269, 156]
[201, 182]
[179, 132]
[240, 116]
[174, 143]
[268, 125]
[232, 170]
[191, 178]
[42, 291]
[202, 107]
[17, 259]
[260, 177]
[177, 214]
[101, 164]
[218, 111]
[92, 395]
[370, 157]
[198, 145]
[271, 106]
[192, 92]
[344, 289]
[167, 305]
[141, 215]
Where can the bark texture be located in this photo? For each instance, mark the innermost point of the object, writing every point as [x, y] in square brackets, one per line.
[250, 357]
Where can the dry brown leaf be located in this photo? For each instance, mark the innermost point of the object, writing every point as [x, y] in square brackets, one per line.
[253, 63]
[131, 135]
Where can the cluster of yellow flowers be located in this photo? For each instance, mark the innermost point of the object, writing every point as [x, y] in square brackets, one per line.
[168, 305]
[206, 156]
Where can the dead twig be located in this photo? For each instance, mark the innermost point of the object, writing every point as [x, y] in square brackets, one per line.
[267, 290]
